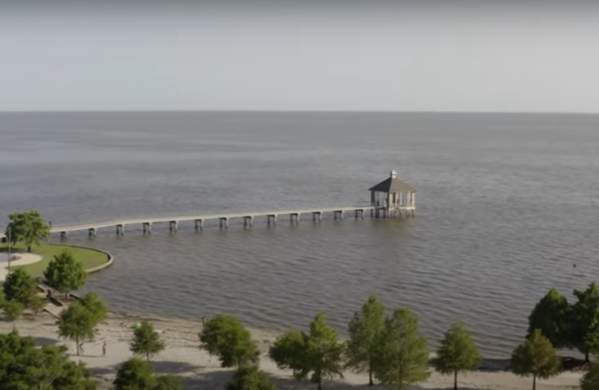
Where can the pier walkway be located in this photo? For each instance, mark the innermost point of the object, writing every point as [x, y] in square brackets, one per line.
[247, 219]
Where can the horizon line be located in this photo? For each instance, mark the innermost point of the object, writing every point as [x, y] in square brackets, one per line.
[297, 111]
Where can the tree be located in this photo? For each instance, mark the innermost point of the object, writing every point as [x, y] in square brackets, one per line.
[457, 352]
[20, 287]
[37, 304]
[226, 337]
[317, 352]
[250, 378]
[365, 329]
[585, 313]
[79, 321]
[28, 227]
[146, 341]
[65, 273]
[403, 356]
[12, 310]
[135, 374]
[289, 351]
[536, 357]
[95, 306]
[551, 315]
[77, 324]
[590, 380]
[24, 366]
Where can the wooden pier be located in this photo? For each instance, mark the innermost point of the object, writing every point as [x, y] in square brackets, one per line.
[389, 198]
[247, 219]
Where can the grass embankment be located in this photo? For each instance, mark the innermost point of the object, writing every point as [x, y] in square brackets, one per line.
[90, 258]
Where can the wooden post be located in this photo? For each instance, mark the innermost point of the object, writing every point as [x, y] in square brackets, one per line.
[247, 221]
[198, 225]
[223, 222]
[146, 228]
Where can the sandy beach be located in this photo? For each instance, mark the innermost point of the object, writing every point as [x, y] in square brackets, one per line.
[183, 357]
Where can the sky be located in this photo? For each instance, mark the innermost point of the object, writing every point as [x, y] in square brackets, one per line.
[371, 55]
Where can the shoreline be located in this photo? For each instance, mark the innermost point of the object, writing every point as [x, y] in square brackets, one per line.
[182, 356]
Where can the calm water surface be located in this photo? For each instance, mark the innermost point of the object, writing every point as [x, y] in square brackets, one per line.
[507, 205]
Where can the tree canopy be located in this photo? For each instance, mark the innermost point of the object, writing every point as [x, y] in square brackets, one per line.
[585, 332]
[79, 321]
[551, 315]
[317, 353]
[365, 329]
[250, 378]
[403, 356]
[24, 366]
[65, 273]
[536, 357]
[95, 306]
[146, 341]
[137, 374]
[226, 337]
[28, 227]
[19, 286]
[590, 380]
[456, 353]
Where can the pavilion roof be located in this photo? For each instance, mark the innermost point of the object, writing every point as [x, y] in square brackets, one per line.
[392, 184]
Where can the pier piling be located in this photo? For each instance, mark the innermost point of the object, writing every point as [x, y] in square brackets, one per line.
[198, 225]
[146, 228]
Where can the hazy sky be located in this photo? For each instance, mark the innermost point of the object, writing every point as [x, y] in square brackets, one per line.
[300, 55]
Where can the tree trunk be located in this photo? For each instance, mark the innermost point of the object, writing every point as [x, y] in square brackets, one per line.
[77, 346]
[534, 382]
[29, 248]
[455, 380]
[319, 384]
[370, 382]
[586, 356]
[147, 356]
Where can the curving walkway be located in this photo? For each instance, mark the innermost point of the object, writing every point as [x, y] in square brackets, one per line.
[18, 259]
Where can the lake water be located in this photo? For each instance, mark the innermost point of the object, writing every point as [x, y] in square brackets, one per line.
[507, 208]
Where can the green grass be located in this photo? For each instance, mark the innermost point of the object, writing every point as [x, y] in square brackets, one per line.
[90, 258]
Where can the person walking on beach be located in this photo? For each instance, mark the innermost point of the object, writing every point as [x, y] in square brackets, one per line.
[104, 348]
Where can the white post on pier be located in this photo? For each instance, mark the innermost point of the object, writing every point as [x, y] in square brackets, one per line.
[146, 228]
[198, 225]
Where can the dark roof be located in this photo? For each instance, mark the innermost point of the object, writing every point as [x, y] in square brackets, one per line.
[392, 185]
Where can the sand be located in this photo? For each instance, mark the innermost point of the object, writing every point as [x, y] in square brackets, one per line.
[183, 356]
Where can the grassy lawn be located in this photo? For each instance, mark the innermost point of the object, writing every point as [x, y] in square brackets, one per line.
[89, 257]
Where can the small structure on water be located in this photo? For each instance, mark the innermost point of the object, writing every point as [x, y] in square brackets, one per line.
[393, 197]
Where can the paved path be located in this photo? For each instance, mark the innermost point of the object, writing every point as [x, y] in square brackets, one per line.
[21, 259]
